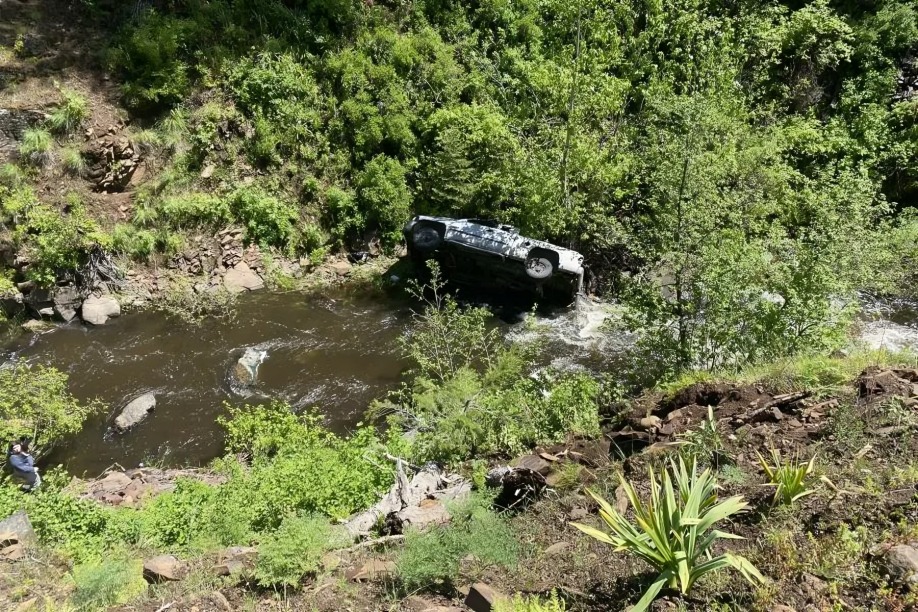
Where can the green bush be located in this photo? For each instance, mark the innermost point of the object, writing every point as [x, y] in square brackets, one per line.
[294, 550]
[472, 394]
[195, 208]
[268, 220]
[434, 558]
[151, 57]
[36, 147]
[70, 115]
[383, 195]
[57, 242]
[35, 402]
[11, 176]
[136, 243]
[113, 581]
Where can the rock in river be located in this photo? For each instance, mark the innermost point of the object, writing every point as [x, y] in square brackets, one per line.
[245, 372]
[136, 411]
[99, 309]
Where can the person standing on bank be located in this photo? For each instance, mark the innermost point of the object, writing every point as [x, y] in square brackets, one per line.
[23, 466]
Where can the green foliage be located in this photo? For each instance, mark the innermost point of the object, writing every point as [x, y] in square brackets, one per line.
[434, 558]
[788, 477]
[383, 196]
[73, 162]
[294, 550]
[473, 395]
[113, 581]
[36, 147]
[55, 241]
[704, 443]
[35, 402]
[674, 531]
[134, 242]
[70, 115]
[532, 603]
[268, 220]
[195, 208]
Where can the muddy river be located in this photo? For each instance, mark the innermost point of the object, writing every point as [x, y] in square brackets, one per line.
[335, 352]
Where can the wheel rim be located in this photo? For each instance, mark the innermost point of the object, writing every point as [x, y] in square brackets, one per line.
[426, 237]
[538, 267]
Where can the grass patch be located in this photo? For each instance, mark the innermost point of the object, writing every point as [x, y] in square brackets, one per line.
[70, 115]
[822, 375]
[295, 549]
[73, 162]
[36, 147]
[475, 539]
[110, 582]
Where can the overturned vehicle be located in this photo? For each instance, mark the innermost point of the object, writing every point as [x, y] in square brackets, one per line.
[486, 253]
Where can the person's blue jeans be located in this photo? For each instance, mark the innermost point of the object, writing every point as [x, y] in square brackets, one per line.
[30, 480]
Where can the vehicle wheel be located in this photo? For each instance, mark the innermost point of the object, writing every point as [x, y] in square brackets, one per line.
[425, 238]
[538, 267]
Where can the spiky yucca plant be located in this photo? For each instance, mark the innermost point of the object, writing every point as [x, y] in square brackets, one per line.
[674, 531]
[788, 477]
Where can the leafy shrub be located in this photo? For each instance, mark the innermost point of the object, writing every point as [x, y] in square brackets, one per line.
[70, 115]
[136, 243]
[788, 477]
[106, 583]
[73, 527]
[177, 519]
[383, 196]
[472, 394]
[35, 402]
[57, 242]
[152, 59]
[520, 603]
[434, 558]
[195, 208]
[705, 443]
[294, 550]
[11, 176]
[268, 220]
[36, 147]
[671, 531]
[73, 162]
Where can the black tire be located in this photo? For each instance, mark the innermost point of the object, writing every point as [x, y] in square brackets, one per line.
[425, 238]
[538, 267]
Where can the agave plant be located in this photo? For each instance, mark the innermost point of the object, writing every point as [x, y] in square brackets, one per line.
[789, 477]
[674, 531]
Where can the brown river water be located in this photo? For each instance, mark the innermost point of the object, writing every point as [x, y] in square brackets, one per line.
[335, 352]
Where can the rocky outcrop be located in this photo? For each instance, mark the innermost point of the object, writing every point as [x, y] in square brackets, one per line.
[13, 124]
[113, 160]
[127, 487]
[97, 310]
[135, 411]
[900, 563]
[66, 302]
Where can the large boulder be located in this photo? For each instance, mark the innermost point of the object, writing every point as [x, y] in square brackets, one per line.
[66, 302]
[242, 278]
[245, 372]
[163, 568]
[901, 564]
[99, 309]
[17, 529]
[135, 411]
